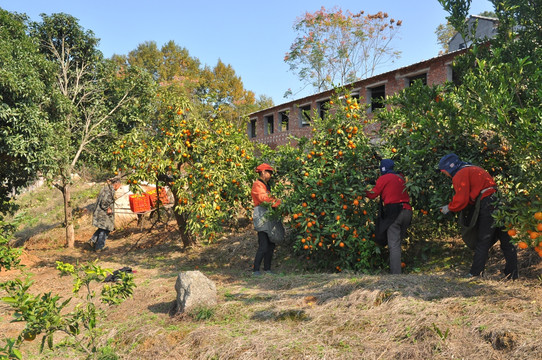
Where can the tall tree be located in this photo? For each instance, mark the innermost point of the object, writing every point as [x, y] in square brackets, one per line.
[222, 90]
[94, 99]
[25, 85]
[168, 63]
[335, 47]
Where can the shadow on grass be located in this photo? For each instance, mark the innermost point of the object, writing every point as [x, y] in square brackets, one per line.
[21, 237]
[167, 307]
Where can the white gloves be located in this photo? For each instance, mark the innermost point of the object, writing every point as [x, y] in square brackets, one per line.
[444, 209]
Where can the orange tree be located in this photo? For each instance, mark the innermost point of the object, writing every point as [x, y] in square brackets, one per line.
[423, 124]
[322, 185]
[207, 162]
[492, 118]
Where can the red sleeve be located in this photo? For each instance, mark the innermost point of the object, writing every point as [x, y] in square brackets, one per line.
[260, 195]
[377, 189]
[461, 183]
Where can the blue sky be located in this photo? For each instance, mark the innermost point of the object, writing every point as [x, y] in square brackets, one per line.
[252, 36]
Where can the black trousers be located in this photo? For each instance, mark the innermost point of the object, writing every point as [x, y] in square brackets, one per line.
[264, 252]
[488, 235]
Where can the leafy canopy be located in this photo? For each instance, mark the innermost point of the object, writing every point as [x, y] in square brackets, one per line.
[335, 47]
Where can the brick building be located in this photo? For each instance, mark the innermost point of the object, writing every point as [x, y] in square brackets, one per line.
[272, 126]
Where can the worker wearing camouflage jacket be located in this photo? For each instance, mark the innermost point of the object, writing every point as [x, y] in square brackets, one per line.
[104, 214]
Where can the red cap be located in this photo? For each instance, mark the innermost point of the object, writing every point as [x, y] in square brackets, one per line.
[263, 167]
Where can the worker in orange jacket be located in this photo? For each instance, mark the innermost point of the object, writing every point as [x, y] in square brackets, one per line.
[261, 194]
[469, 183]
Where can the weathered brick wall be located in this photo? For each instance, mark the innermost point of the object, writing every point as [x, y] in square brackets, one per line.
[436, 70]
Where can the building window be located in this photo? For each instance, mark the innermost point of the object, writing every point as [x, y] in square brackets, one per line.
[284, 121]
[305, 115]
[253, 128]
[421, 77]
[323, 108]
[377, 96]
[269, 124]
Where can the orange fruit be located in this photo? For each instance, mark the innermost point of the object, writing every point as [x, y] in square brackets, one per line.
[338, 217]
[29, 336]
[393, 150]
[306, 247]
[512, 232]
[304, 204]
[539, 227]
[313, 195]
[534, 235]
[538, 215]
[522, 245]
[341, 244]
[403, 265]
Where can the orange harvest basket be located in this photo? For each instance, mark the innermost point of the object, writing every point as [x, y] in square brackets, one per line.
[139, 203]
[153, 198]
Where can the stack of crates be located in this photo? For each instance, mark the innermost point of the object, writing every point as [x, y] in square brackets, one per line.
[153, 197]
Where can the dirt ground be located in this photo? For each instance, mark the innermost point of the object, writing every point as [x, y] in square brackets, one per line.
[296, 314]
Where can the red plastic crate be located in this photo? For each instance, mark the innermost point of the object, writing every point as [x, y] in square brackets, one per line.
[152, 197]
[139, 202]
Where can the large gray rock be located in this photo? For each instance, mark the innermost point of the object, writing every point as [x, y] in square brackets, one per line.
[194, 290]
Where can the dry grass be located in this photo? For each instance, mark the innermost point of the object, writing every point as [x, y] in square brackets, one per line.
[297, 314]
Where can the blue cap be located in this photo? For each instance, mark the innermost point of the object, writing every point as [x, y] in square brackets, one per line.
[450, 163]
[386, 166]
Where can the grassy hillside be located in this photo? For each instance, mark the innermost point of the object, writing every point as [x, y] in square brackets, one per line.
[430, 312]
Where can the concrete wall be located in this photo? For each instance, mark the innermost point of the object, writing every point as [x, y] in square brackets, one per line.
[486, 29]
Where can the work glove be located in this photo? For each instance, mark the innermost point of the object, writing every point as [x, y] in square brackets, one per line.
[444, 209]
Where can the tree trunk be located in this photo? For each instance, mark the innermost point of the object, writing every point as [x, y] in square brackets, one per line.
[181, 223]
[68, 218]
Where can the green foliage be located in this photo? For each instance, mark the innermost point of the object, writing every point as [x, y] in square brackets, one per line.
[220, 88]
[492, 119]
[442, 335]
[202, 313]
[209, 162]
[120, 290]
[45, 314]
[322, 186]
[424, 124]
[25, 80]
[9, 351]
[9, 257]
[459, 11]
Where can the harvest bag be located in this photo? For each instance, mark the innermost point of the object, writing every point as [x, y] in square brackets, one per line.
[273, 228]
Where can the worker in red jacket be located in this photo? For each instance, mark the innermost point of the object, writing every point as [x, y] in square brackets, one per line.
[470, 182]
[395, 212]
[261, 194]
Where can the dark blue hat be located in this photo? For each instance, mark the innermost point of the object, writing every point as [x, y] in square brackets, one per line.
[386, 166]
[451, 163]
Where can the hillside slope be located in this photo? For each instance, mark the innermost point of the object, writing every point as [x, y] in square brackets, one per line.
[430, 312]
